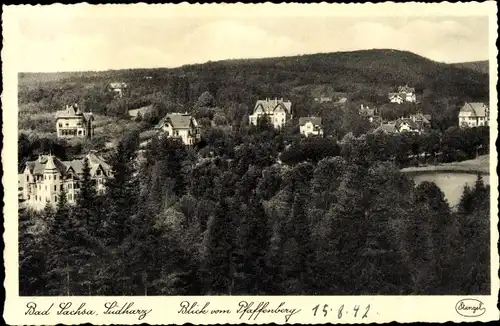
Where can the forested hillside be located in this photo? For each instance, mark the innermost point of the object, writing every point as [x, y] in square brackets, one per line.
[479, 66]
[236, 84]
[335, 220]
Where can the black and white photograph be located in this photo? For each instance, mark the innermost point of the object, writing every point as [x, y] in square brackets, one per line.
[268, 154]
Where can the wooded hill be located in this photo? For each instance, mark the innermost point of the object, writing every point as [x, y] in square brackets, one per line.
[479, 66]
[373, 71]
[366, 75]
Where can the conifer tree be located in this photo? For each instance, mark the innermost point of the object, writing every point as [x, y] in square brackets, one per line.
[220, 249]
[85, 209]
[122, 193]
[254, 241]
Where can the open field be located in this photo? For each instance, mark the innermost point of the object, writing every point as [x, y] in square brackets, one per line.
[479, 164]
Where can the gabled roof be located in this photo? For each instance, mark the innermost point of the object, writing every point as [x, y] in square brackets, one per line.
[401, 95]
[49, 162]
[478, 109]
[367, 111]
[73, 111]
[178, 121]
[408, 121]
[270, 105]
[425, 118]
[406, 89]
[387, 128]
[316, 121]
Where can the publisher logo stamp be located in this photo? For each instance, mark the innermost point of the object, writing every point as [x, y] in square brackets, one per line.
[470, 308]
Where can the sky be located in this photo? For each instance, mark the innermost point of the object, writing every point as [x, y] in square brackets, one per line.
[72, 38]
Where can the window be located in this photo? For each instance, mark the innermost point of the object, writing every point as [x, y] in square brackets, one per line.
[60, 125]
[70, 186]
[98, 172]
[61, 187]
[27, 178]
[55, 199]
[45, 187]
[67, 124]
[55, 188]
[49, 177]
[55, 177]
[44, 177]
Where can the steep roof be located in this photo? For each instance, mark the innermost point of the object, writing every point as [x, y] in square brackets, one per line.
[270, 105]
[178, 121]
[387, 128]
[425, 118]
[401, 95]
[73, 111]
[49, 162]
[477, 108]
[406, 89]
[410, 122]
[317, 121]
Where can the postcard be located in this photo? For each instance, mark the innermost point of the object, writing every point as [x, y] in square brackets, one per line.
[250, 163]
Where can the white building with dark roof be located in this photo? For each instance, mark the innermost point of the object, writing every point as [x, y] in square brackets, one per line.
[278, 111]
[311, 126]
[72, 122]
[404, 94]
[43, 179]
[180, 125]
[473, 114]
[119, 88]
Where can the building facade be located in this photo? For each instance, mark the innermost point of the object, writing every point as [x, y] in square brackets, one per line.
[72, 122]
[278, 111]
[118, 88]
[45, 178]
[404, 94]
[180, 125]
[311, 126]
[473, 114]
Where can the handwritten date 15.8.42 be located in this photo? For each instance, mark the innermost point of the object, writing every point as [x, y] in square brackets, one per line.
[356, 311]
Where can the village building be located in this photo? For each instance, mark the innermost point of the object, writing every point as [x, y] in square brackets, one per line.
[180, 125]
[404, 94]
[44, 179]
[311, 126]
[408, 125]
[424, 119]
[323, 99]
[278, 111]
[119, 88]
[387, 128]
[366, 111]
[473, 114]
[72, 122]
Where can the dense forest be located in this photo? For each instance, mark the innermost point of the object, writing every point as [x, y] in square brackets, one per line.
[230, 219]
